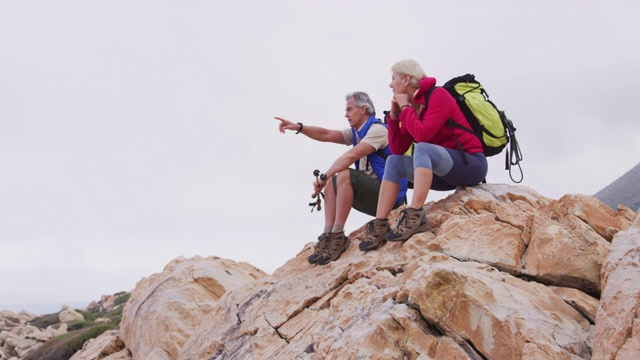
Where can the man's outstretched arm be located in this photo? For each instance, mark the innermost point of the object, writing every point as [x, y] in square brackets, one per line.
[314, 132]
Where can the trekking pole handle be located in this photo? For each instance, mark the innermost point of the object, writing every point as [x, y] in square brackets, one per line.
[320, 176]
[317, 195]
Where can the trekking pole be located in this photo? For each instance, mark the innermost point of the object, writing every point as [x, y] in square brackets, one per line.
[318, 195]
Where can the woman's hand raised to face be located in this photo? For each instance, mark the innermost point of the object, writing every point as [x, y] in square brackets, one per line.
[395, 109]
[401, 99]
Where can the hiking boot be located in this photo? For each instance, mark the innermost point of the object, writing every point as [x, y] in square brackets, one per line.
[321, 246]
[337, 244]
[374, 234]
[411, 221]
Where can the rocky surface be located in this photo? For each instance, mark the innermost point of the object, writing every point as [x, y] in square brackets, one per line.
[106, 304]
[617, 330]
[502, 273]
[10, 320]
[166, 308]
[68, 315]
[58, 335]
[107, 346]
[17, 342]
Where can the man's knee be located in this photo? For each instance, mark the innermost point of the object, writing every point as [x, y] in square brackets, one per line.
[343, 176]
[329, 187]
[341, 180]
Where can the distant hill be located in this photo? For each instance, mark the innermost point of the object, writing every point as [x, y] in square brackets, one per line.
[625, 190]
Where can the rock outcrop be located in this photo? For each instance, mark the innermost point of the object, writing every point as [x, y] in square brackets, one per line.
[59, 335]
[107, 346]
[617, 330]
[106, 304]
[69, 315]
[17, 342]
[166, 308]
[10, 320]
[502, 273]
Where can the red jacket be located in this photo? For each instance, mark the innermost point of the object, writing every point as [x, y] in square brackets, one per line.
[430, 126]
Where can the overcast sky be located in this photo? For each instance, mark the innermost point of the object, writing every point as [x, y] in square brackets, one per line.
[134, 132]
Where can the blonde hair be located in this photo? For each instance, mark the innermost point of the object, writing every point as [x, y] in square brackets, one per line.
[411, 68]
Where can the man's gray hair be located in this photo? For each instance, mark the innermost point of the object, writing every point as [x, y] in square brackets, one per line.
[362, 99]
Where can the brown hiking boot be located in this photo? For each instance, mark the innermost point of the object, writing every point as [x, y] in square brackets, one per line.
[338, 243]
[321, 246]
[411, 221]
[374, 234]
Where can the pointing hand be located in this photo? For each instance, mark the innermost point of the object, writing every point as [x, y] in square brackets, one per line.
[287, 125]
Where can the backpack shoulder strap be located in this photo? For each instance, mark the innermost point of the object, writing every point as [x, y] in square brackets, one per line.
[451, 124]
[427, 96]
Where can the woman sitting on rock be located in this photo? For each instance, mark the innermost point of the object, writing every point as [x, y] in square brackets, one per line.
[437, 163]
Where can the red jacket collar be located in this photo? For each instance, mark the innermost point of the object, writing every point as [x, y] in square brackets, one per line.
[425, 84]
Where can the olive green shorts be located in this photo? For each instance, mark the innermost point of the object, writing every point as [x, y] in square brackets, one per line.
[365, 191]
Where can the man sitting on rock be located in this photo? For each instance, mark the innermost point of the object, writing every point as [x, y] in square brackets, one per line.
[344, 187]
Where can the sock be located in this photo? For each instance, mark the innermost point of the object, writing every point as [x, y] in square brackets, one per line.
[327, 229]
[337, 228]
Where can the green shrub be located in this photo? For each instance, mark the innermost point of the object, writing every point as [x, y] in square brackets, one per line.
[122, 297]
[64, 346]
[78, 324]
[88, 316]
[42, 322]
[13, 320]
[115, 316]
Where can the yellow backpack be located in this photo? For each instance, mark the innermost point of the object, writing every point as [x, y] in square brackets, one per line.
[489, 124]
